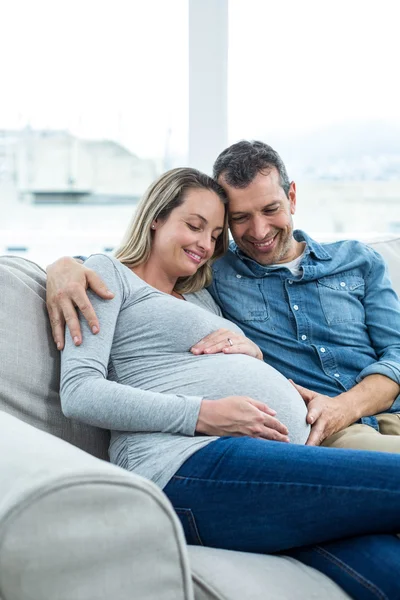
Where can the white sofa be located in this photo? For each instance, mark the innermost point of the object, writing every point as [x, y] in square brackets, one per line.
[75, 527]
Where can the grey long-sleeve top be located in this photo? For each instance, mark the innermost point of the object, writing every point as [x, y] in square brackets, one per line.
[138, 378]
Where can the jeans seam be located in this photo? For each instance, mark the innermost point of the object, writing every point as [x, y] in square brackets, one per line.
[285, 483]
[221, 457]
[350, 571]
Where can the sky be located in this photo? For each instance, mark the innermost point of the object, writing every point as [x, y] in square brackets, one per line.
[119, 69]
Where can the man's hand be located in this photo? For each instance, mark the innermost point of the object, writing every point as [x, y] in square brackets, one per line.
[326, 415]
[67, 282]
[228, 342]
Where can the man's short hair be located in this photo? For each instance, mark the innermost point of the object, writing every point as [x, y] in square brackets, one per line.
[241, 162]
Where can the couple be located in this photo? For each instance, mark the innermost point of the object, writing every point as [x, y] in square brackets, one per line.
[192, 416]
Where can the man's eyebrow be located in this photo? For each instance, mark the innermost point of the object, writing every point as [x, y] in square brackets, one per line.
[246, 212]
[204, 220]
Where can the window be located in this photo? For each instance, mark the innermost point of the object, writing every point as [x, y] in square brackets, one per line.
[317, 81]
[93, 107]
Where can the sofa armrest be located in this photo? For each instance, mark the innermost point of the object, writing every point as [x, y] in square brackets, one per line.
[73, 527]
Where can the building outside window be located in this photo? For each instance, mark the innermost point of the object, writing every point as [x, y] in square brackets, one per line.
[93, 107]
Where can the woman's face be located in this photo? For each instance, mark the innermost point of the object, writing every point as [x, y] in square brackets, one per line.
[186, 239]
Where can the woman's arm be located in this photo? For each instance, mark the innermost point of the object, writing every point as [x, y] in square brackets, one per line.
[88, 396]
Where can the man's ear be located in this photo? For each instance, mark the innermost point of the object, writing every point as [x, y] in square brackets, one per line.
[292, 197]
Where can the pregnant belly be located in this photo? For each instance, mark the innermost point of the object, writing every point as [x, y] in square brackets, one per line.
[221, 375]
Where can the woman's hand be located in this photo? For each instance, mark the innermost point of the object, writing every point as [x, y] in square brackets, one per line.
[227, 342]
[239, 416]
[67, 282]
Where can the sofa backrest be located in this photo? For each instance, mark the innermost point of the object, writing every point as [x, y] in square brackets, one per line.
[29, 360]
[390, 250]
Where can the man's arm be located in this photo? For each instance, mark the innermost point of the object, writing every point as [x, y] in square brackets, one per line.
[327, 415]
[67, 282]
[378, 384]
[382, 318]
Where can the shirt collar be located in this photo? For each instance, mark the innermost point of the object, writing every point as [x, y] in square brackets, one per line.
[312, 247]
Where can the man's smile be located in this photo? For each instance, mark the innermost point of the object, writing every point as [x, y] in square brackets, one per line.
[266, 245]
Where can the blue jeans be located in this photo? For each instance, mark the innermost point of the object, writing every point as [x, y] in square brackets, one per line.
[335, 510]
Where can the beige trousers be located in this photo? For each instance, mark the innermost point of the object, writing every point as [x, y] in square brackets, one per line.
[364, 437]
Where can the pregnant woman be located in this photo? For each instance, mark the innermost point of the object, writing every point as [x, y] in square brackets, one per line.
[200, 425]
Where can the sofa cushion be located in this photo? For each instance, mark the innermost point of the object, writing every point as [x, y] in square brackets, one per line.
[222, 574]
[29, 360]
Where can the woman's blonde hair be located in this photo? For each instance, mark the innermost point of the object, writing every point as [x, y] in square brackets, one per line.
[161, 198]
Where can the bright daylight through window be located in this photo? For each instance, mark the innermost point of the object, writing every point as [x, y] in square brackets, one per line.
[317, 81]
[95, 105]
[93, 108]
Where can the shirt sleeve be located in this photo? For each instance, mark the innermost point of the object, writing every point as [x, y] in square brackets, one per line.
[382, 318]
[88, 396]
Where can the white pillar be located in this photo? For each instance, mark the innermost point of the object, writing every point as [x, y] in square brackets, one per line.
[208, 80]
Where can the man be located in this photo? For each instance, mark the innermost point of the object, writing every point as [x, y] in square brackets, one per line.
[324, 315]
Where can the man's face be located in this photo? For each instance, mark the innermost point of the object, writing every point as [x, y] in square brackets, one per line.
[260, 218]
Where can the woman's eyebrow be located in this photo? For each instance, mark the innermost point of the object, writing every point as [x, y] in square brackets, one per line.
[200, 217]
[204, 220]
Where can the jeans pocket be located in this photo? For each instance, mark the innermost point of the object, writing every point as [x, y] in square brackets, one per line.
[189, 525]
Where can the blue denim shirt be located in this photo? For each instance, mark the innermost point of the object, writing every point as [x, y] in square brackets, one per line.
[327, 329]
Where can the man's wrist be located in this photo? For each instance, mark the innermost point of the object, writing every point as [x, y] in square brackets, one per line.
[351, 405]
[80, 259]
[374, 394]
[60, 262]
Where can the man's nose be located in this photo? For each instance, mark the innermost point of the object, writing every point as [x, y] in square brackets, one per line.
[260, 228]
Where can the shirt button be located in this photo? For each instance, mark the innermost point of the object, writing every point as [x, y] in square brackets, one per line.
[303, 337]
[290, 281]
[322, 349]
[336, 375]
[342, 284]
[296, 307]
[239, 276]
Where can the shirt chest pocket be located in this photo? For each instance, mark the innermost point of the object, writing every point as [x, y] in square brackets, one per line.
[242, 299]
[341, 298]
